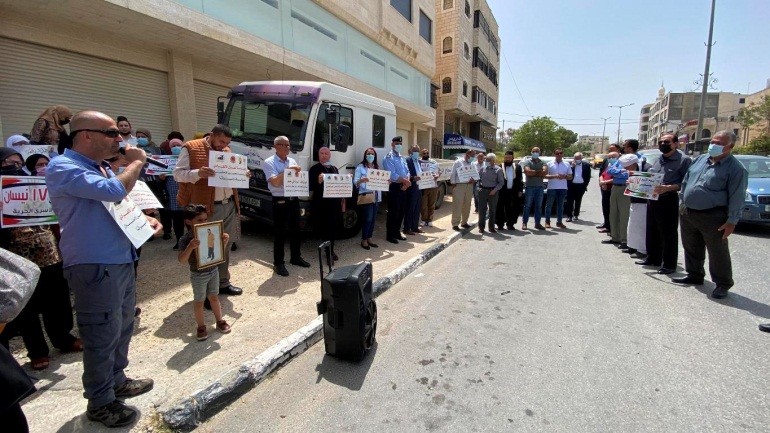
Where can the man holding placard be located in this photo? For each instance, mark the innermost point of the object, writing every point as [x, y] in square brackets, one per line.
[285, 209]
[462, 194]
[99, 259]
[193, 172]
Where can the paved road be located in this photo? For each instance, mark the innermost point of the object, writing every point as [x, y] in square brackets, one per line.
[539, 332]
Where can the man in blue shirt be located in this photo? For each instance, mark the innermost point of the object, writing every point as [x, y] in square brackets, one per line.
[400, 181]
[620, 204]
[285, 209]
[99, 260]
[711, 202]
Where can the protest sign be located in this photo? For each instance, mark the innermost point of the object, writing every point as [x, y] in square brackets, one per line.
[169, 160]
[25, 202]
[426, 181]
[295, 184]
[131, 220]
[230, 168]
[642, 185]
[378, 180]
[467, 172]
[31, 149]
[338, 185]
[144, 197]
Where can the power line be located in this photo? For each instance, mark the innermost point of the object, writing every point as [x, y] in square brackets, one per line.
[514, 82]
[551, 117]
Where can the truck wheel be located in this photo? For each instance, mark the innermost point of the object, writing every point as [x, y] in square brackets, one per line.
[440, 196]
[351, 220]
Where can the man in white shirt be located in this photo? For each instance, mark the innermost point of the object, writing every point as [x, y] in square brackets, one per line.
[559, 172]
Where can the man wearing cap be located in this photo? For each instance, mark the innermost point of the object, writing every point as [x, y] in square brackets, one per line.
[462, 193]
[192, 173]
[620, 204]
[400, 181]
[712, 197]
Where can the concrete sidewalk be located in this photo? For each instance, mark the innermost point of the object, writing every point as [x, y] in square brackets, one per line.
[272, 307]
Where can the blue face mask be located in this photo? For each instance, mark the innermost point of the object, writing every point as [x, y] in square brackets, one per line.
[369, 158]
[397, 148]
[121, 169]
[176, 150]
[327, 163]
[142, 141]
[535, 155]
[415, 155]
[715, 149]
[612, 161]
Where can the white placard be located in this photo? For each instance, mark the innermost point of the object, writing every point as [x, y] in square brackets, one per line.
[378, 180]
[25, 202]
[131, 220]
[294, 184]
[230, 168]
[143, 196]
[467, 172]
[426, 181]
[31, 149]
[338, 185]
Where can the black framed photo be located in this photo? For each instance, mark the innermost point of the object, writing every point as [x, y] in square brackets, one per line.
[212, 247]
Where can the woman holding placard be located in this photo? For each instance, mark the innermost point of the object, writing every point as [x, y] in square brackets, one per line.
[368, 200]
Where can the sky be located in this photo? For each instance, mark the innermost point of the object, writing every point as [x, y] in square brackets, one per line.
[571, 59]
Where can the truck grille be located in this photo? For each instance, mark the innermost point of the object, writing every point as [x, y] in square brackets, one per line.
[763, 199]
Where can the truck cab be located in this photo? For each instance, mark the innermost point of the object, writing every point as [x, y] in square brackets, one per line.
[312, 115]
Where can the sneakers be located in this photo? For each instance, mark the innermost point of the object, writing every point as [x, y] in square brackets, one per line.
[115, 414]
[201, 333]
[133, 387]
[429, 224]
[223, 327]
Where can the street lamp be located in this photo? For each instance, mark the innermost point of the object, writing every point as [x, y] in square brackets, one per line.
[620, 113]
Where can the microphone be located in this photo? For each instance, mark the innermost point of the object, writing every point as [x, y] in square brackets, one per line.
[150, 161]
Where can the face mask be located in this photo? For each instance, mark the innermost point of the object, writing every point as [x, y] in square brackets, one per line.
[142, 141]
[664, 148]
[612, 161]
[715, 149]
[176, 150]
[425, 158]
[121, 169]
[40, 171]
[535, 155]
[12, 171]
[397, 148]
[327, 163]
[370, 158]
[415, 155]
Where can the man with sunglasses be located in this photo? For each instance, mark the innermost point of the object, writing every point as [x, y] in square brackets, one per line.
[662, 237]
[99, 260]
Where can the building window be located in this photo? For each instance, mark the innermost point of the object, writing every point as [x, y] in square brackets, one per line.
[404, 7]
[742, 100]
[446, 45]
[465, 89]
[448, 4]
[467, 9]
[426, 27]
[446, 85]
[466, 51]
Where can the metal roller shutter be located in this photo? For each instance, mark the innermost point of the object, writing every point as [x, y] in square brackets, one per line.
[206, 95]
[35, 77]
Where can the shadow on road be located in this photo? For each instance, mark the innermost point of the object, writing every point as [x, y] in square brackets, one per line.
[753, 230]
[344, 373]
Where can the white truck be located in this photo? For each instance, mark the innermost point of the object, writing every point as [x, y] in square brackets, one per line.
[312, 115]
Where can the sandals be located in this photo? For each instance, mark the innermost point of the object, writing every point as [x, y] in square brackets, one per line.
[40, 363]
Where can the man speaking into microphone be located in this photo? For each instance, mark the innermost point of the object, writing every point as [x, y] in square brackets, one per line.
[99, 260]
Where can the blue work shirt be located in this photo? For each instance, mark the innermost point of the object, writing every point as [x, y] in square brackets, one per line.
[708, 185]
[363, 171]
[274, 166]
[89, 235]
[396, 165]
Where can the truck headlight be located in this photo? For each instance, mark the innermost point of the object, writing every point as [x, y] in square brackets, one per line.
[749, 197]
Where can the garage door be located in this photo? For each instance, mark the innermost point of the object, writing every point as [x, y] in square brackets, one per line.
[35, 77]
[206, 95]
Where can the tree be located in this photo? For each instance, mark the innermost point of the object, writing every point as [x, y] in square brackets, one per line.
[539, 132]
[757, 114]
[566, 137]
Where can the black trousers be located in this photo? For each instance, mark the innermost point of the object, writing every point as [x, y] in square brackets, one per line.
[177, 220]
[575, 193]
[396, 211]
[508, 208]
[13, 419]
[662, 238]
[700, 234]
[286, 219]
[327, 219]
[606, 193]
[51, 299]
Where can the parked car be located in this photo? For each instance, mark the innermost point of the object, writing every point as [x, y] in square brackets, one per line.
[652, 156]
[597, 160]
[757, 206]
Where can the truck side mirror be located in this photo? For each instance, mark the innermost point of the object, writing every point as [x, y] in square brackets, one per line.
[220, 110]
[332, 116]
[342, 138]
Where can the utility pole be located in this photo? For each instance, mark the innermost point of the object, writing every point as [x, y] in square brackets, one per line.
[699, 133]
[620, 114]
[603, 130]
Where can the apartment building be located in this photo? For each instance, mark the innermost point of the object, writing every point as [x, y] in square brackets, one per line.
[679, 112]
[598, 143]
[163, 63]
[467, 64]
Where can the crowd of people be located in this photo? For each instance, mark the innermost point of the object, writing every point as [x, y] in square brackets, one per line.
[101, 160]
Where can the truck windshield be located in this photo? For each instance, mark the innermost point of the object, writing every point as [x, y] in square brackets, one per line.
[256, 122]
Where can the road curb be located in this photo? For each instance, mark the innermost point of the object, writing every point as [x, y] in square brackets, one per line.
[189, 412]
